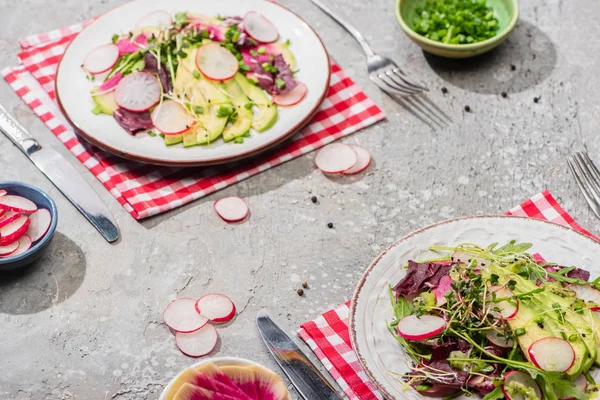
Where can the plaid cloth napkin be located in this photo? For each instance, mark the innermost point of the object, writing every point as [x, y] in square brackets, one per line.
[146, 190]
[328, 335]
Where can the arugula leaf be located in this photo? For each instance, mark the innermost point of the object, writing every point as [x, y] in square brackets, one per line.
[401, 307]
[496, 394]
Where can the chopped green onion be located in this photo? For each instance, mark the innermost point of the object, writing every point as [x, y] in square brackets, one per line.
[151, 133]
[266, 66]
[253, 53]
[198, 109]
[162, 135]
[182, 54]
[225, 111]
[196, 74]
[262, 50]
[238, 140]
[97, 110]
[520, 332]
[246, 134]
[573, 337]
[280, 83]
[244, 67]
[248, 106]
[115, 38]
[287, 43]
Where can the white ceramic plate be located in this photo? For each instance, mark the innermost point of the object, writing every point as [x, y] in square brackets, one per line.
[378, 352]
[73, 89]
[219, 362]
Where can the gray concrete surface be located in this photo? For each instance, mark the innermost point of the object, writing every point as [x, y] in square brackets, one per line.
[85, 322]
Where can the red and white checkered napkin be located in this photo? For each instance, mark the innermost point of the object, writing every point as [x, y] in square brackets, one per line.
[328, 335]
[146, 190]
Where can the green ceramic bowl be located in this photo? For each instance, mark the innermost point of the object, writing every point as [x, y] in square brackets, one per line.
[507, 13]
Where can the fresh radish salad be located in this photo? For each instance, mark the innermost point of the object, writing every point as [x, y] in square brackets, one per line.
[498, 322]
[195, 78]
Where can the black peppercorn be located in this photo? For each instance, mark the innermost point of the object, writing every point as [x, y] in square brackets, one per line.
[313, 199]
[330, 225]
[467, 108]
[512, 67]
[535, 99]
[300, 292]
[504, 94]
[444, 90]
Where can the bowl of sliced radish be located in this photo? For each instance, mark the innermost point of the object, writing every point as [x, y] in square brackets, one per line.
[28, 218]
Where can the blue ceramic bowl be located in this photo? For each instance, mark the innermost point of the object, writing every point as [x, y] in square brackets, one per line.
[42, 200]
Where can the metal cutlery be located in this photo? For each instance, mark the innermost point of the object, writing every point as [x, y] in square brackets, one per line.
[587, 177]
[62, 174]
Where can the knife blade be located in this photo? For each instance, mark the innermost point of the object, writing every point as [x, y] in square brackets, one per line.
[303, 374]
[62, 174]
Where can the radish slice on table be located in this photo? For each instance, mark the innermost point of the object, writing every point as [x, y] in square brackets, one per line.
[9, 219]
[292, 97]
[155, 18]
[171, 118]
[552, 354]
[216, 307]
[3, 193]
[12, 232]
[101, 59]
[216, 62]
[8, 250]
[497, 340]
[336, 158]
[260, 28]
[414, 328]
[181, 316]
[362, 162]
[521, 379]
[40, 223]
[24, 244]
[138, 92]
[507, 310]
[17, 204]
[198, 343]
[231, 209]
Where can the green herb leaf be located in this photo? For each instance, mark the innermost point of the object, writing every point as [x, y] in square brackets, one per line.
[198, 109]
[115, 38]
[196, 74]
[97, 110]
[280, 83]
[261, 50]
[152, 133]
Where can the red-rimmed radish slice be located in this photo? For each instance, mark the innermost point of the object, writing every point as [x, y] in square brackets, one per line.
[523, 379]
[362, 162]
[216, 62]
[3, 192]
[414, 328]
[596, 311]
[2, 211]
[111, 83]
[496, 339]
[260, 28]
[584, 292]
[438, 391]
[198, 343]
[171, 118]
[101, 59]
[231, 209]
[216, 307]
[552, 354]
[507, 309]
[24, 244]
[581, 385]
[181, 316]
[8, 250]
[40, 223]
[292, 97]
[155, 18]
[138, 92]
[10, 218]
[17, 204]
[12, 232]
[336, 158]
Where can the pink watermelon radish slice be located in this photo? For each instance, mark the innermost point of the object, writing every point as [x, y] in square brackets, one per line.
[8, 250]
[12, 232]
[260, 28]
[127, 45]
[209, 382]
[257, 382]
[181, 316]
[216, 307]
[171, 118]
[40, 223]
[336, 158]
[443, 287]
[292, 97]
[198, 343]
[110, 84]
[101, 59]
[192, 392]
[362, 162]
[216, 62]
[231, 209]
[155, 19]
[24, 244]
[17, 204]
[138, 92]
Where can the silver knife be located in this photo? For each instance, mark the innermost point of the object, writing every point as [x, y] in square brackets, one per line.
[305, 377]
[62, 175]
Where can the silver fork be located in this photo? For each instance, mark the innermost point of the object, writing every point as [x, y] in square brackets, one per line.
[587, 177]
[382, 71]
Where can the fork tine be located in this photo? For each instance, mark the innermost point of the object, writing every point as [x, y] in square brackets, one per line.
[389, 82]
[588, 175]
[432, 110]
[589, 163]
[398, 81]
[582, 187]
[404, 77]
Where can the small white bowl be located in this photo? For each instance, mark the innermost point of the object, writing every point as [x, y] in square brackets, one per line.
[219, 362]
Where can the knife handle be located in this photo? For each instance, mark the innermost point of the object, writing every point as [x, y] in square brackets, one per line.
[16, 133]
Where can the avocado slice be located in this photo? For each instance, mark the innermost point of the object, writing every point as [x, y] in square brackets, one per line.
[170, 140]
[242, 122]
[267, 111]
[105, 103]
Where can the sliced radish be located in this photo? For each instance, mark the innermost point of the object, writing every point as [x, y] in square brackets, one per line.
[414, 328]
[11, 218]
[171, 118]
[362, 162]
[520, 379]
[2, 211]
[216, 307]
[198, 343]
[40, 223]
[101, 59]
[111, 83]
[181, 316]
[216, 62]
[552, 354]
[438, 391]
[17, 204]
[3, 192]
[336, 158]
[231, 209]
[24, 244]
[138, 92]
[496, 339]
[507, 309]
[8, 250]
[260, 28]
[155, 18]
[584, 292]
[292, 97]
[12, 232]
